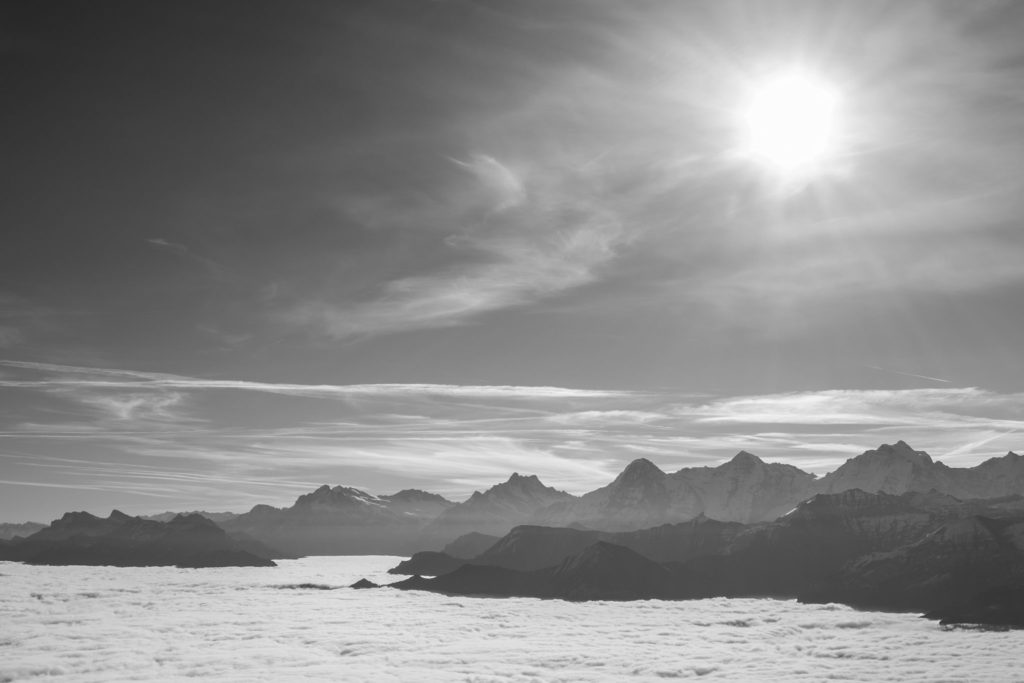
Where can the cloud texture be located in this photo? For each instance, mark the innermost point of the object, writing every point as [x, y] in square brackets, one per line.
[84, 623]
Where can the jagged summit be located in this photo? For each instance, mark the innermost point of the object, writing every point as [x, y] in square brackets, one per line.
[902, 449]
[518, 486]
[746, 459]
[640, 469]
[498, 509]
[337, 495]
[523, 480]
[410, 494]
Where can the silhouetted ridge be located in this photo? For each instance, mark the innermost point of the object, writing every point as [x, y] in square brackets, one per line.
[120, 540]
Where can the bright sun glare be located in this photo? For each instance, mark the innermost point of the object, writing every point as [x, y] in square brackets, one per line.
[789, 122]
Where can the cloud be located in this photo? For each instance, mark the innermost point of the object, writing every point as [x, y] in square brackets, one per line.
[537, 239]
[187, 254]
[107, 378]
[136, 406]
[452, 438]
[604, 417]
[909, 374]
[507, 187]
[910, 407]
[159, 623]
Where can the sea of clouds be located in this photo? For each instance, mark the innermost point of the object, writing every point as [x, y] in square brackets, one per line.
[301, 621]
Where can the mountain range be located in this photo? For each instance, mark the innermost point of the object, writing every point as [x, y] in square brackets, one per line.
[746, 490]
[343, 521]
[955, 560]
[889, 529]
[124, 541]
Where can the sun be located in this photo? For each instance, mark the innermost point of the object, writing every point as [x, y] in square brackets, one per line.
[789, 123]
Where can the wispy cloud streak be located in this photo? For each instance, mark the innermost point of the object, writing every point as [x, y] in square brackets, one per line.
[127, 379]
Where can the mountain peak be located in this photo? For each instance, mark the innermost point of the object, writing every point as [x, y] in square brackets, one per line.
[339, 496]
[523, 478]
[904, 450]
[746, 458]
[413, 494]
[518, 485]
[641, 468]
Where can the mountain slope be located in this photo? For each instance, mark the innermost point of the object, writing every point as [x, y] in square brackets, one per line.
[9, 531]
[124, 541]
[898, 468]
[745, 489]
[344, 521]
[496, 510]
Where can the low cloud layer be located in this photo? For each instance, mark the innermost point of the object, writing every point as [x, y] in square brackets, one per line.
[84, 623]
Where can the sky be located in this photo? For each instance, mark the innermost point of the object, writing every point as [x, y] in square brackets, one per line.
[250, 248]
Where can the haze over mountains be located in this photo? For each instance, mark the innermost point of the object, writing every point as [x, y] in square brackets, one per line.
[344, 520]
[889, 529]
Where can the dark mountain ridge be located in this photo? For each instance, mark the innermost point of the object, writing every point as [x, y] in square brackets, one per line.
[124, 541]
[926, 552]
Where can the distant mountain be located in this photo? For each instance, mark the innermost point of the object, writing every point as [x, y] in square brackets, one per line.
[212, 516]
[344, 521]
[898, 468]
[428, 563]
[496, 510]
[535, 547]
[470, 545]
[745, 489]
[929, 552]
[945, 570]
[124, 541]
[639, 497]
[9, 531]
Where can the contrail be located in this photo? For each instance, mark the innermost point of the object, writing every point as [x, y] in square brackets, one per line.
[908, 374]
[969, 447]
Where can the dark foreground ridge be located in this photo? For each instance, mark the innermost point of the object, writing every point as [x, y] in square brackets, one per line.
[122, 541]
[956, 561]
